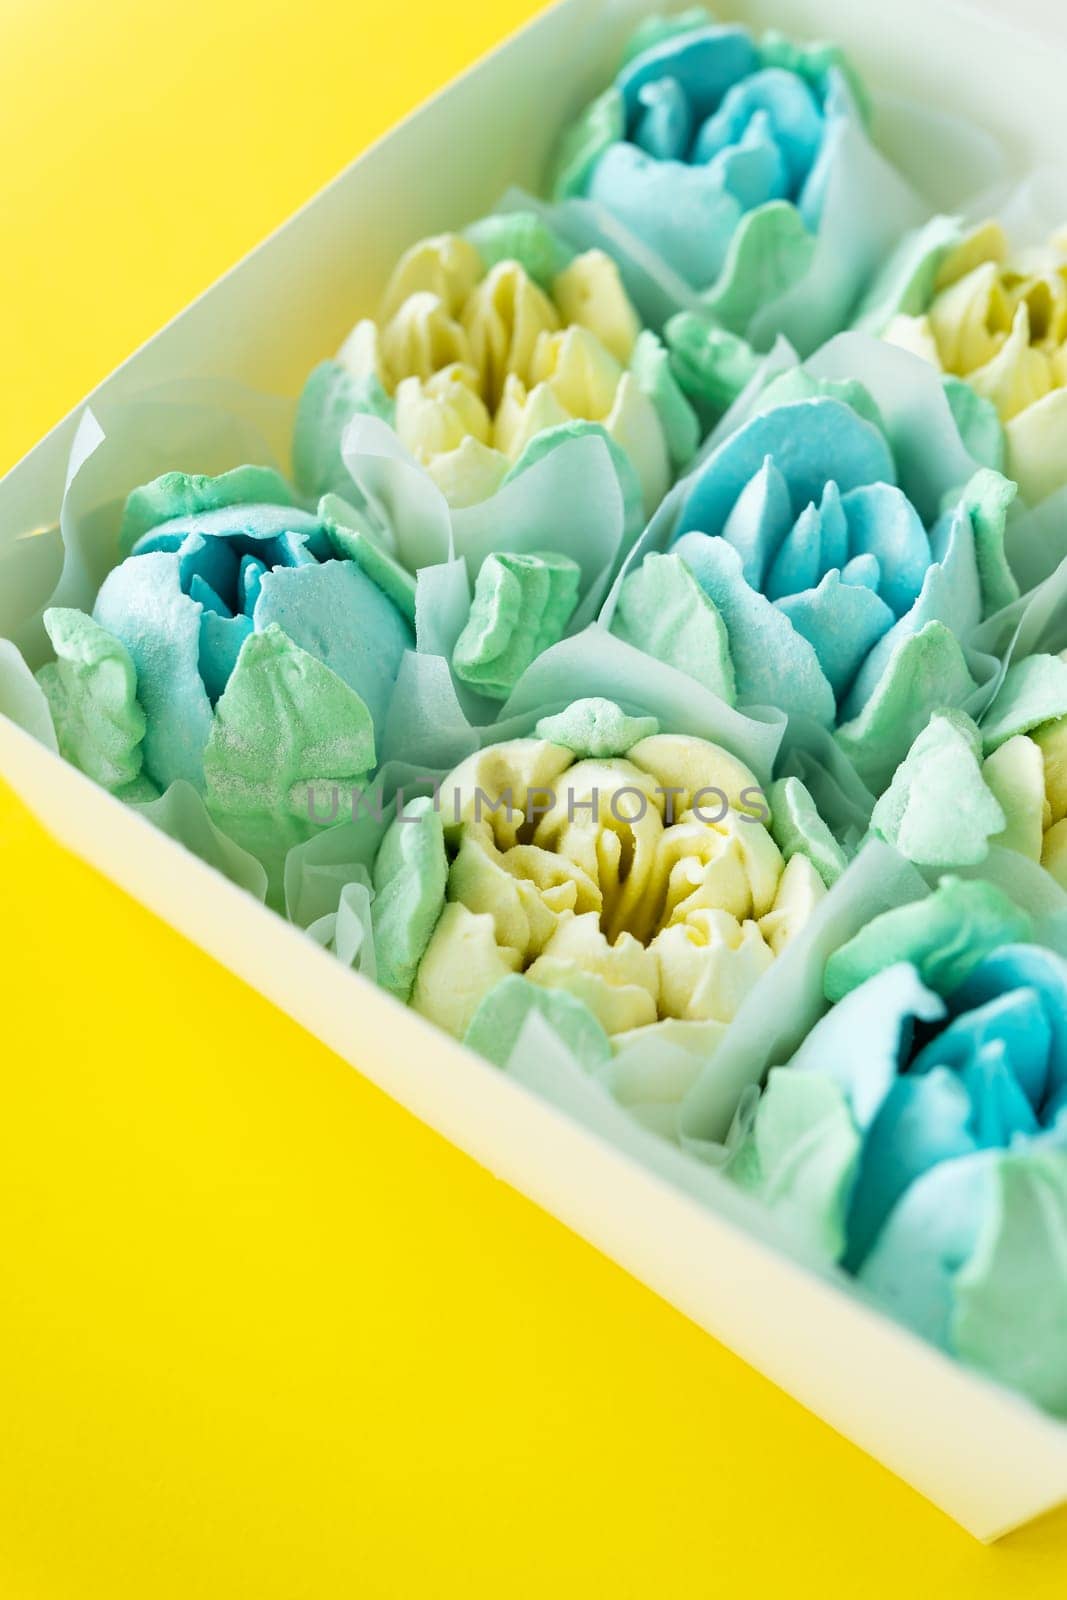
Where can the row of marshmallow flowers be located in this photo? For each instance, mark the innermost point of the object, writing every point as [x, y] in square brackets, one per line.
[514, 427]
[800, 575]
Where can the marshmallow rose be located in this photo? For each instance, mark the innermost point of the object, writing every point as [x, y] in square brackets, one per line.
[487, 341]
[646, 884]
[995, 320]
[233, 653]
[933, 1161]
[839, 604]
[735, 180]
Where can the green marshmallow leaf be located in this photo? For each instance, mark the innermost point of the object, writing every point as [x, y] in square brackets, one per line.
[187, 494]
[651, 366]
[663, 611]
[979, 426]
[1010, 1312]
[712, 365]
[658, 28]
[410, 876]
[813, 62]
[944, 935]
[521, 236]
[355, 536]
[927, 671]
[939, 811]
[91, 689]
[770, 251]
[797, 383]
[284, 726]
[799, 1157]
[988, 498]
[907, 283]
[601, 123]
[595, 728]
[521, 606]
[797, 827]
[1034, 692]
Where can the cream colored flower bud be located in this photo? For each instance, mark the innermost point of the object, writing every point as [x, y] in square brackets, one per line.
[422, 338]
[581, 373]
[435, 415]
[504, 318]
[523, 414]
[590, 294]
[1028, 777]
[361, 353]
[636, 883]
[446, 266]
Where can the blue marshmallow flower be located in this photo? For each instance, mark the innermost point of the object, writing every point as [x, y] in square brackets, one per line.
[214, 561]
[841, 605]
[919, 1136]
[745, 166]
[707, 134]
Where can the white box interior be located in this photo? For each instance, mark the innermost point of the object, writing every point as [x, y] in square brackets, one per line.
[986, 1457]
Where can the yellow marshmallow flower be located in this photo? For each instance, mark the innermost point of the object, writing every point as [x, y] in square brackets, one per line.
[480, 362]
[999, 322]
[647, 886]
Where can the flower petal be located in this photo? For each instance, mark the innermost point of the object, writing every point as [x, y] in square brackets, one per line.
[335, 613]
[774, 665]
[946, 937]
[141, 602]
[500, 1019]
[811, 443]
[663, 610]
[705, 63]
[793, 114]
[842, 621]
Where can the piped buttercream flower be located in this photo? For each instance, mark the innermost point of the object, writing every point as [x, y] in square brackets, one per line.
[933, 1160]
[488, 340]
[644, 882]
[837, 602]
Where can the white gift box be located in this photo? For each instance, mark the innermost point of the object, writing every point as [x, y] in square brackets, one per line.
[985, 1456]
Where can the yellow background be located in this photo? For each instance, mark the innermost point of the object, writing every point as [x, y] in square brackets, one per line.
[261, 1334]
